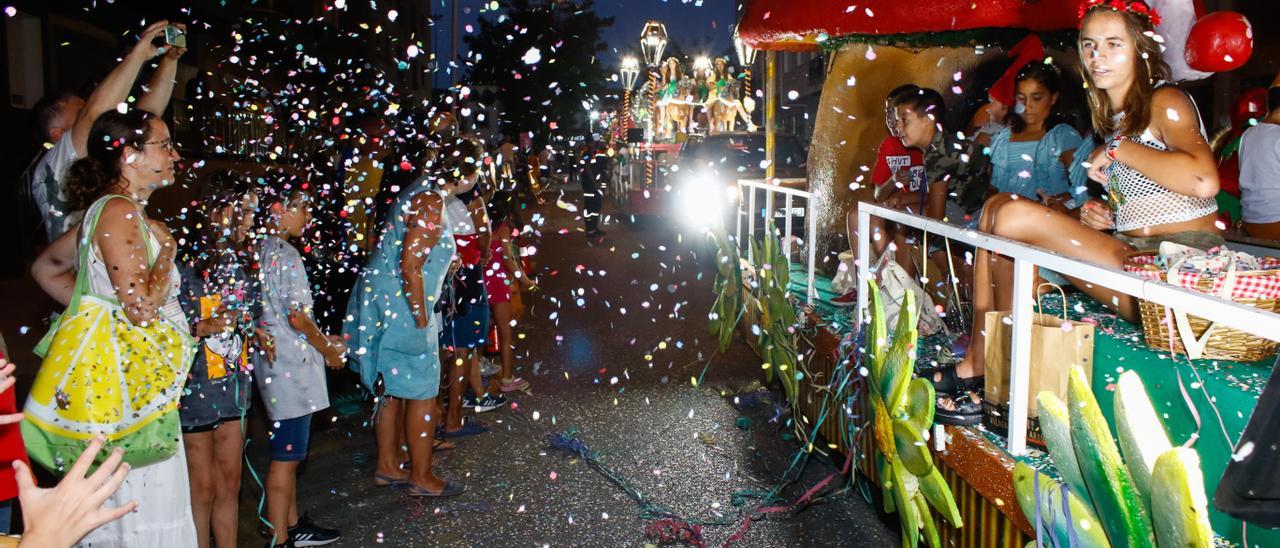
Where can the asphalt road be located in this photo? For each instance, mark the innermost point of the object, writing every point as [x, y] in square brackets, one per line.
[611, 346]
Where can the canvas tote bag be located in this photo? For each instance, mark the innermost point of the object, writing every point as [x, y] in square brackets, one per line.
[103, 375]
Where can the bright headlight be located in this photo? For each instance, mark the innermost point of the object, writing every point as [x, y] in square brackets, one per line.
[703, 201]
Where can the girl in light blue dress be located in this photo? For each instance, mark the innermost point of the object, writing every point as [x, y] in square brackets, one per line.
[1031, 156]
[393, 328]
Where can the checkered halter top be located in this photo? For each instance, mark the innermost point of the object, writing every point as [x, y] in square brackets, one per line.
[1139, 202]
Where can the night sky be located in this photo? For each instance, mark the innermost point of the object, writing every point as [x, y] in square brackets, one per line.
[696, 24]
[688, 21]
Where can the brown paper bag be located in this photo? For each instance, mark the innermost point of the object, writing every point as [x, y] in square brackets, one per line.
[1054, 351]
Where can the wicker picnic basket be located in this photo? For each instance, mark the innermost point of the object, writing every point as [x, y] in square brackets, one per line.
[1256, 288]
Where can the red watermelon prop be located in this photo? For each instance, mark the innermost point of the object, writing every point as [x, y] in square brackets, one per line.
[1219, 42]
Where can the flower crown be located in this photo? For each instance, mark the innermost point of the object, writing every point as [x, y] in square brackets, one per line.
[1136, 7]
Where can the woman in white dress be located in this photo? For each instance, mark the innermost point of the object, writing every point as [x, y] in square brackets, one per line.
[129, 156]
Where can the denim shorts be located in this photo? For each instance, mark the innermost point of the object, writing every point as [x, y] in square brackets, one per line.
[290, 439]
[201, 428]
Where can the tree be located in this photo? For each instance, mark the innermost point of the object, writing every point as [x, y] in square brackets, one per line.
[542, 58]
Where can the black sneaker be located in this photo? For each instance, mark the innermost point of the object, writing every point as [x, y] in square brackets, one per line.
[468, 401]
[490, 402]
[307, 533]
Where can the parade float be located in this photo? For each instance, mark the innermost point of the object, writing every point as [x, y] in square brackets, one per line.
[679, 100]
[1129, 452]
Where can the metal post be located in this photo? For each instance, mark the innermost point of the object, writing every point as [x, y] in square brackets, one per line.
[810, 239]
[770, 112]
[769, 229]
[737, 219]
[653, 126]
[786, 230]
[626, 109]
[751, 223]
[1020, 379]
[453, 44]
[864, 263]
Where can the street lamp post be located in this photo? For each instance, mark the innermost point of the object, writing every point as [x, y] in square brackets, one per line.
[630, 71]
[653, 40]
[747, 57]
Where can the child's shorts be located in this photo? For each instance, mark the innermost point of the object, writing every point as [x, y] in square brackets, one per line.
[290, 439]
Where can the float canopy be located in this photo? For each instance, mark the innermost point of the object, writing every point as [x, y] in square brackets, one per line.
[797, 26]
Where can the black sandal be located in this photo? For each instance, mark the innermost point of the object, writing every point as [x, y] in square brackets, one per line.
[961, 409]
[946, 381]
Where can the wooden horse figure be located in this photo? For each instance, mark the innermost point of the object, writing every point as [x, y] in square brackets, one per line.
[680, 110]
[724, 104]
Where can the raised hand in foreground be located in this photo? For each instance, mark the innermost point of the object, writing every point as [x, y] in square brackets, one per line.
[62, 515]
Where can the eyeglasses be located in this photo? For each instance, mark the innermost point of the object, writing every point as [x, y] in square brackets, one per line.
[166, 144]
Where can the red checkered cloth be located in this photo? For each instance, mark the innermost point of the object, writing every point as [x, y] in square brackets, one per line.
[1252, 284]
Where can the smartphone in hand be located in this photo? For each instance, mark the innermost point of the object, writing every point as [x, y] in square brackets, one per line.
[175, 37]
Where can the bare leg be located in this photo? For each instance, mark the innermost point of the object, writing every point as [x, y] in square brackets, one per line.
[1030, 222]
[421, 418]
[457, 385]
[293, 498]
[902, 252]
[200, 471]
[228, 447]
[388, 432]
[502, 317]
[936, 206]
[659, 116]
[282, 479]
[474, 378]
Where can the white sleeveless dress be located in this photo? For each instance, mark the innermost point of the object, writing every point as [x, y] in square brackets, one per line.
[163, 492]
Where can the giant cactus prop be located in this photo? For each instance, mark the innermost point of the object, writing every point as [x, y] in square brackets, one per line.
[1152, 496]
[777, 314]
[774, 307]
[727, 309]
[903, 411]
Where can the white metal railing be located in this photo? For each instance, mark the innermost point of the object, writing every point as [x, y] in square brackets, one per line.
[1025, 259]
[750, 213]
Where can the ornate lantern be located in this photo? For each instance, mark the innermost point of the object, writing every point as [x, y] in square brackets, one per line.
[653, 40]
[746, 53]
[630, 71]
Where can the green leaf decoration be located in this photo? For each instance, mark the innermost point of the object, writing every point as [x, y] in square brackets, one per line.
[877, 333]
[1083, 525]
[920, 403]
[912, 448]
[903, 495]
[926, 522]
[1115, 497]
[1178, 502]
[1139, 431]
[935, 489]
[1055, 425]
[728, 305]
[900, 364]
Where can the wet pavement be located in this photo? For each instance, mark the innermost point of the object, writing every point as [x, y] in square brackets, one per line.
[611, 346]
